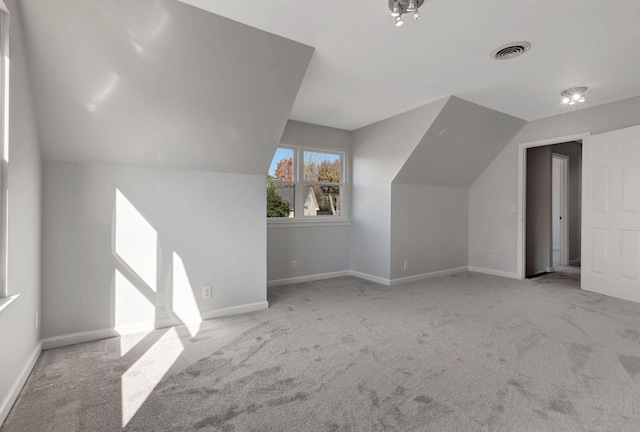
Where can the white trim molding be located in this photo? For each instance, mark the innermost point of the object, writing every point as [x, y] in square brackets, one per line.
[493, 272]
[309, 278]
[77, 338]
[430, 275]
[18, 384]
[370, 278]
[94, 335]
[391, 282]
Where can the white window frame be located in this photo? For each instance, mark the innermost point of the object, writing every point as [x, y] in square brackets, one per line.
[5, 298]
[299, 182]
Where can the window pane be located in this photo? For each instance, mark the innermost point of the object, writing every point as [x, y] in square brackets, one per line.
[321, 200]
[280, 200]
[282, 165]
[323, 167]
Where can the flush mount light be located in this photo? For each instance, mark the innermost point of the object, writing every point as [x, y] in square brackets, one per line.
[573, 95]
[400, 7]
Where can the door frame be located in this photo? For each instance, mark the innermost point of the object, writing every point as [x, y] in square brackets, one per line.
[564, 206]
[522, 184]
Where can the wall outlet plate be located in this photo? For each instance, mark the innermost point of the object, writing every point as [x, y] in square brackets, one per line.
[206, 292]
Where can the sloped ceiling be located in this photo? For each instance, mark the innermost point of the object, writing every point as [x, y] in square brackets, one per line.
[459, 145]
[365, 70]
[159, 83]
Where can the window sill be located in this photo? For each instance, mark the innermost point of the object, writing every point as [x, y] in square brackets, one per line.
[286, 223]
[5, 302]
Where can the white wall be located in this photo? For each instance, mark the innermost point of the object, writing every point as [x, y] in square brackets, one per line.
[380, 150]
[555, 202]
[429, 229]
[492, 224]
[574, 151]
[214, 222]
[19, 340]
[316, 249]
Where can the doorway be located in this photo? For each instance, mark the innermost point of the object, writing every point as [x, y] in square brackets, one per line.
[550, 207]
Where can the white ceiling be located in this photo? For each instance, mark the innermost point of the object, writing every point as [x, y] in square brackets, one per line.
[365, 70]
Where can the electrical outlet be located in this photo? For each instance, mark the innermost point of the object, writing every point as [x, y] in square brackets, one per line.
[406, 264]
[492, 258]
[36, 320]
[206, 292]
[294, 265]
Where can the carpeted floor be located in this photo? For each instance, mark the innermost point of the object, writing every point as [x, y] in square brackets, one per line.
[464, 353]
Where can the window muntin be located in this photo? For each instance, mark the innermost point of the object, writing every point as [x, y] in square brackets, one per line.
[310, 181]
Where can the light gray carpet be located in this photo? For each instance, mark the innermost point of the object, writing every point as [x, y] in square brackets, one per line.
[459, 353]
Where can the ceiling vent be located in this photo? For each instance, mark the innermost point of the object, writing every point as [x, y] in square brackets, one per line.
[511, 50]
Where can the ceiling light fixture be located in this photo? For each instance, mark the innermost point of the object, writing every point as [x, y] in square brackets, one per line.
[400, 7]
[573, 95]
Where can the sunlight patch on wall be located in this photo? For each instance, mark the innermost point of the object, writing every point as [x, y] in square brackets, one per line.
[136, 241]
[107, 87]
[133, 311]
[144, 375]
[142, 38]
[184, 302]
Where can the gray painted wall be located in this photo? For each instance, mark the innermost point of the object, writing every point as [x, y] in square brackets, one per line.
[492, 224]
[539, 188]
[574, 151]
[379, 152]
[18, 337]
[316, 250]
[459, 145]
[215, 222]
[429, 229]
[159, 83]
[319, 248]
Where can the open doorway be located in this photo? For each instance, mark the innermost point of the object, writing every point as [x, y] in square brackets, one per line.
[552, 200]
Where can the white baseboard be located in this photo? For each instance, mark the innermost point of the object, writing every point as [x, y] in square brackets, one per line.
[94, 335]
[76, 338]
[550, 270]
[434, 274]
[370, 278]
[309, 278]
[16, 388]
[494, 272]
[235, 310]
[574, 261]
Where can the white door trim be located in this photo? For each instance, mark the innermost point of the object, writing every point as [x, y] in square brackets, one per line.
[564, 207]
[522, 176]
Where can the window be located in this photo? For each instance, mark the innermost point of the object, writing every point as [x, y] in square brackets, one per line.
[305, 183]
[5, 300]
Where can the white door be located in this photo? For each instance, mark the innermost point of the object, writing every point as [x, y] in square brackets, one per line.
[611, 214]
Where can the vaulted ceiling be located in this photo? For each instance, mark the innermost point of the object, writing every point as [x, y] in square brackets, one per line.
[365, 70]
